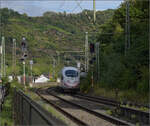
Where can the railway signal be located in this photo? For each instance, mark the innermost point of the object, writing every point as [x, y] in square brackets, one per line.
[24, 44]
[91, 61]
[92, 48]
[24, 49]
[78, 65]
[24, 56]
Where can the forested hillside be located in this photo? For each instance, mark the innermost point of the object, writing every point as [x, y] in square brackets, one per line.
[128, 71]
[46, 34]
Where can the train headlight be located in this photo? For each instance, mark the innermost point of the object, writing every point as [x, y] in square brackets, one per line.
[58, 80]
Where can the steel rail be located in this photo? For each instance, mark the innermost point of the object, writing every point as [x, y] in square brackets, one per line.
[109, 100]
[96, 100]
[100, 115]
[113, 103]
[74, 119]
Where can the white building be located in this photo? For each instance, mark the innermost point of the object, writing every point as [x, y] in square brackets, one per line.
[41, 79]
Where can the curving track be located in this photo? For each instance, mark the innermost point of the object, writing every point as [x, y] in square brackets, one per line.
[142, 116]
[109, 101]
[74, 119]
[108, 118]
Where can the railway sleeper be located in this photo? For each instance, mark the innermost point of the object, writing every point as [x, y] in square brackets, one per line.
[133, 116]
[104, 116]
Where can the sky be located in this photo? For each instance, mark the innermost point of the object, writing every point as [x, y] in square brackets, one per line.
[38, 7]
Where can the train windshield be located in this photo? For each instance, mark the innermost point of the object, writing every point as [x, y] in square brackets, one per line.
[71, 73]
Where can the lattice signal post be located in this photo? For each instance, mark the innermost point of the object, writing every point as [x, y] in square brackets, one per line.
[14, 58]
[86, 52]
[97, 61]
[3, 67]
[127, 30]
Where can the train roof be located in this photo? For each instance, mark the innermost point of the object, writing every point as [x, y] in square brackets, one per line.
[69, 68]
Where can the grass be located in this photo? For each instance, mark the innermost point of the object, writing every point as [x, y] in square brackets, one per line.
[109, 112]
[132, 95]
[57, 28]
[104, 92]
[6, 116]
[7, 111]
[126, 95]
[53, 111]
[46, 106]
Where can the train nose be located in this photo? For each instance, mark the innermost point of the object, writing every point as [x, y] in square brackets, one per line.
[71, 82]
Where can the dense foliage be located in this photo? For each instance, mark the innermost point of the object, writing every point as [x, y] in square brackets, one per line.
[130, 71]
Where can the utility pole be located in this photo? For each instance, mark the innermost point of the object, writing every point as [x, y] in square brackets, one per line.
[2, 58]
[94, 10]
[54, 66]
[14, 59]
[3, 67]
[58, 57]
[86, 52]
[97, 61]
[24, 73]
[31, 63]
[127, 31]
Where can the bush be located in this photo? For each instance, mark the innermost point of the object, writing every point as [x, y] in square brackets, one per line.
[143, 84]
[85, 83]
[4, 80]
[17, 85]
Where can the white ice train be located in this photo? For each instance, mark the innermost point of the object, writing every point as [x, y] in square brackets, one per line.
[69, 79]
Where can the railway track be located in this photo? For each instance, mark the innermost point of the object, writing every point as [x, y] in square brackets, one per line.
[113, 101]
[99, 115]
[74, 119]
[98, 100]
[127, 111]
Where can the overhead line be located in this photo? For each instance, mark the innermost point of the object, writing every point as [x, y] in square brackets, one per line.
[76, 7]
[89, 18]
[79, 5]
[62, 4]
